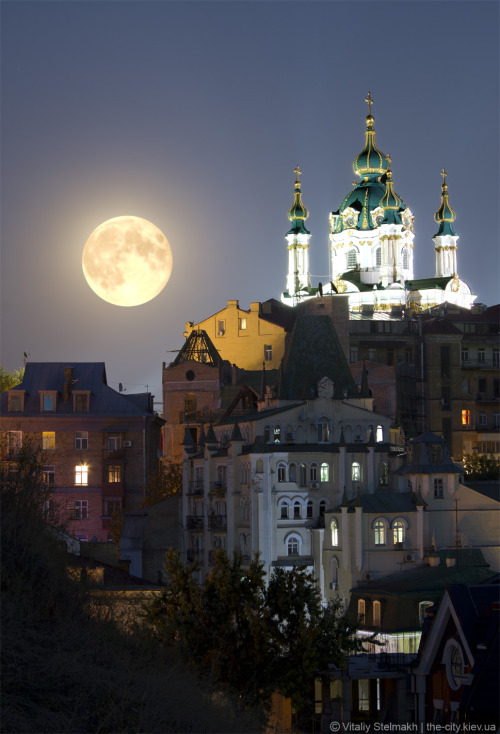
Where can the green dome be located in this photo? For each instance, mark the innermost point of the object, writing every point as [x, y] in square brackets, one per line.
[297, 214]
[445, 214]
[371, 163]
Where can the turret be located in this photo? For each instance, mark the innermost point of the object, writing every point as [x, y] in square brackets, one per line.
[445, 240]
[298, 238]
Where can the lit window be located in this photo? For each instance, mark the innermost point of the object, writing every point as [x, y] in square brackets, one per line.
[293, 545]
[81, 440]
[465, 417]
[114, 473]
[82, 474]
[334, 526]
[438, 489]
[281, 473]
[380, 434]
[243, 324]
[277, 434]
[48, 403]
[48, 440]
[81, 510]
[398, 532]
[48, 475]
[355, 472]
[361, 610]
[114, 443]
[379, 532]
[324, 472]
[268, 352]
[376, 614]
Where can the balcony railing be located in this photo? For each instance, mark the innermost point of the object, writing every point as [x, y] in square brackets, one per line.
[217, 522]
[487, 364]
[194, 522]
[195, 487]
[218, 488]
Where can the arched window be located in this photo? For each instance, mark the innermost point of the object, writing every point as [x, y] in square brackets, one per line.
[380, 434]
[277, 434]
[310, 509]
[296, 510]
[292, 473]
[334, 526]
[355, 471]
[323, 430]
[383, 474]
[379, 532]
[281, 472]
[406, 259]
[314, 472]
[284, 505]
[352, 258]
[398, 531]
[361, 610]
[378, 257]
[303, 475]
[324, 472]
[376, 614]
[322, 508]
[293, 545]
[335, 573]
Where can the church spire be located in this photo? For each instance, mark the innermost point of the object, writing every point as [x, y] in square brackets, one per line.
[371, 163]
[297, 214]
[445, 240]
[445, 214]
[298, 279]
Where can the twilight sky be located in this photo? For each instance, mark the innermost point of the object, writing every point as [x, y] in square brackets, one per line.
[193, 115]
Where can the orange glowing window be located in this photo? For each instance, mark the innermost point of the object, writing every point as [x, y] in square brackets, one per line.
[465, 417]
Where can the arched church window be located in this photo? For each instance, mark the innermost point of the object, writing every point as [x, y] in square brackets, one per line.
[334, 526]
[406, 259]
[292, 473]
[378, 257]
[303, 475]
[324, 472]
[352, 258]
[293, 545]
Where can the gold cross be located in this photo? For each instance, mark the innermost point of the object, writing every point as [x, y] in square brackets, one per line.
[370, 102]
[297, 171]
[444, 174]
[389, 159]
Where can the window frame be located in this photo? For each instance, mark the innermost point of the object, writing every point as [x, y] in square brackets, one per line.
[81, 475]
[49, 440]
[334, 532]
[379, 527]
[83, 438]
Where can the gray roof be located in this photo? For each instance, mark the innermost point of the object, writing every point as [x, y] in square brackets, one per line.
[384, 502]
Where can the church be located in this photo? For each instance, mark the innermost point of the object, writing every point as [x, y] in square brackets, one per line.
[372, 242]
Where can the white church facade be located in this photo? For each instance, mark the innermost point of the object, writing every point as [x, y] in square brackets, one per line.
[371, 244]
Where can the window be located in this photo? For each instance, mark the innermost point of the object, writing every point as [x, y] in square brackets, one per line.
[361, 610]
[48, 440]
[355, 472]
[445, 397]
[322, 508]
[481, 355]
[303, 475]
[114, 443]
[438, 488]
[82, 474]
[314, 472]
[435, 453]
[465, 354]
[281, 473]
[277, 434]
[380, 434]
[465, 417]
[293, 545]
[48, 403]
[406, 259]
[496, 387]
[309, 509]
[268, 352]
[496, 420]
[292, 473]
[409, 356]
[324, 472]
[284, 511]
[48, 475]
[481, 385]
[379, 532]
[398, 532]
[445, 361]
[114, 473]
[383, 474]
[354, 354]
[323, 431]
[14, 443]
[376, 614]
[259, 466]
[221, 327]
[334, 527]
[363, 695]
[243, 324]
[496, 358]
[267, 434]
[378, 257]
[189, 407]
[421, 610]
[81, 402]
[482, 419]
[81, 440]
[465, 387]
[81, 511]
[111, 505]
[289, 433]
[15, 403]
[372, 355]
[390, 357]
[296, 511]
[352, 258]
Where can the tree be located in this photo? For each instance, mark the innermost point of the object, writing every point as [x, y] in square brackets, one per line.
[10, 379]
[253, 638]
[479, 467]
[165, 483]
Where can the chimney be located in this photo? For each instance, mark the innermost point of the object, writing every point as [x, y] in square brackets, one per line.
[68, 381]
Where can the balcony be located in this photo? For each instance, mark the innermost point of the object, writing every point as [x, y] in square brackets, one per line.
[195, 522]
[218, 489]
[195, 487]
[217, 522]
[483, 364]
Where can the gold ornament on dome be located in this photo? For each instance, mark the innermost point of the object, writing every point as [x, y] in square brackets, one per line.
[340, 285]
[455, 285]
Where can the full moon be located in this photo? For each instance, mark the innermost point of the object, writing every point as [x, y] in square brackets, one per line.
[127, 261]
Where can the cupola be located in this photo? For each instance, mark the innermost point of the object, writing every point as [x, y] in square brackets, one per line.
[445, 214]
[390, 202]
[298, 213]
[371, 163]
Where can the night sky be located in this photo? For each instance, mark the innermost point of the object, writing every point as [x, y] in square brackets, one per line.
[193, 115]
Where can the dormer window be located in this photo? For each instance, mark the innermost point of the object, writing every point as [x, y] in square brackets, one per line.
[16, 401]
[81, 402]
[48, 401]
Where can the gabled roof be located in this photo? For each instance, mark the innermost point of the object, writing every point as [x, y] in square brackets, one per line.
[198, 348]
[85, 376]
[313, 351]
